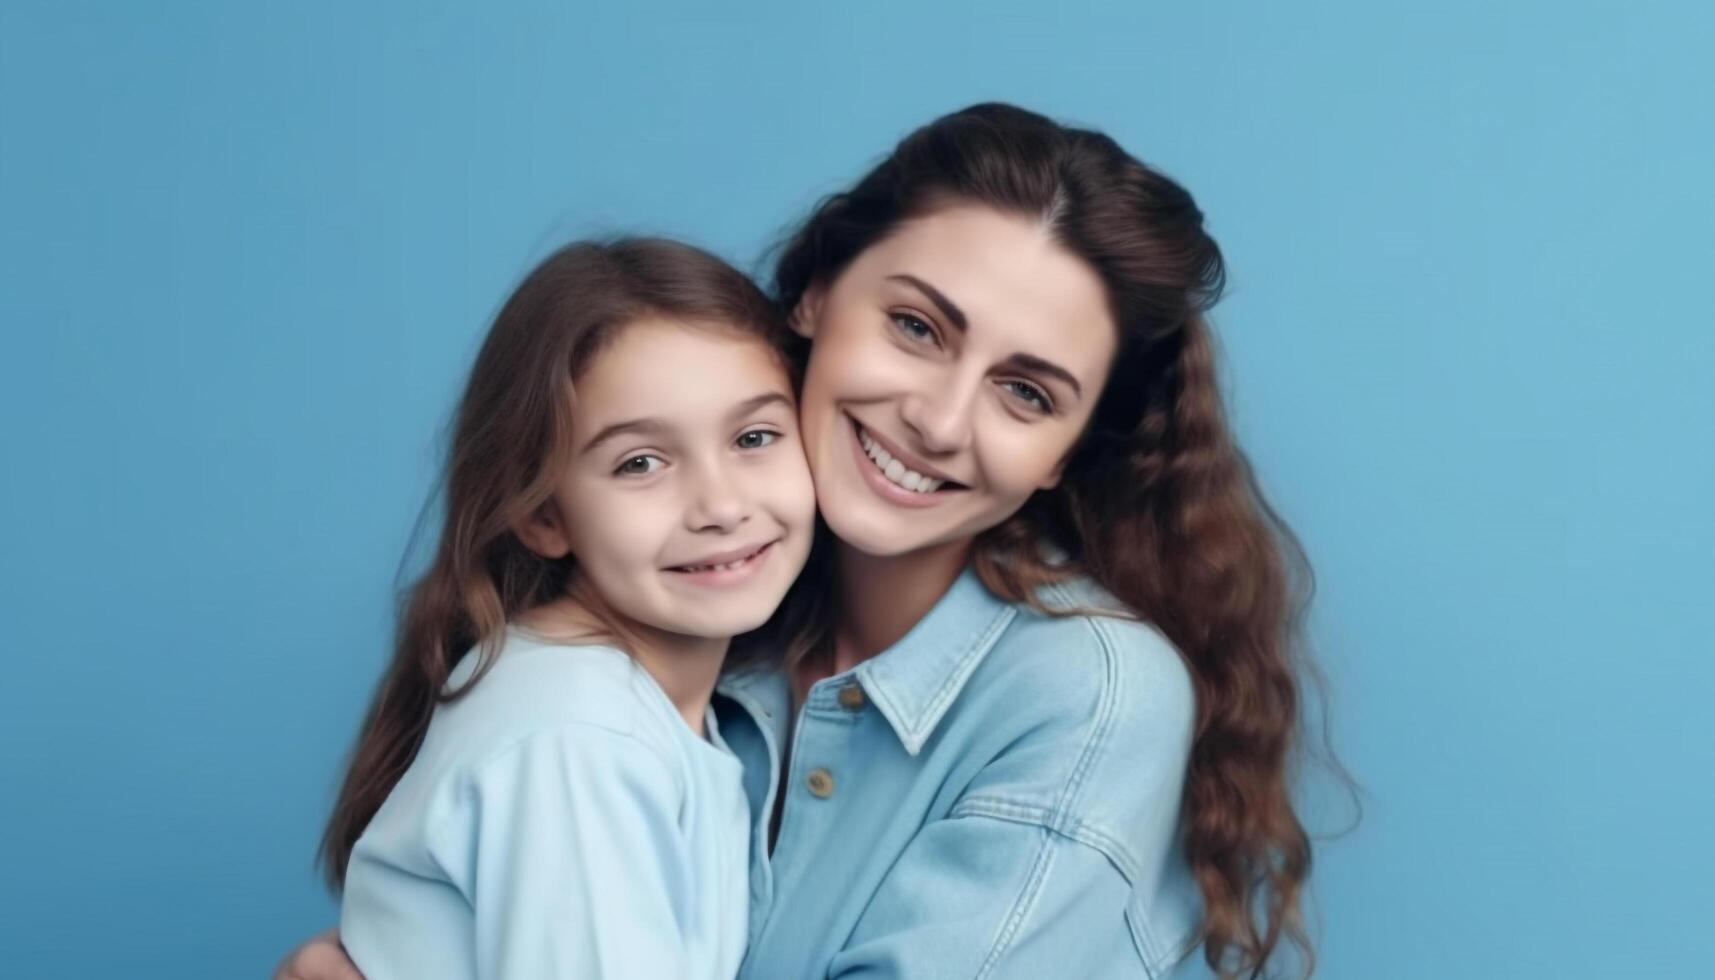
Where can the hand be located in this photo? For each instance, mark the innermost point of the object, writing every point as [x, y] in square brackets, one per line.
[322, 958]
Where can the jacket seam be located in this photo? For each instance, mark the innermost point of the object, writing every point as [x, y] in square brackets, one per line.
[1156, 955]
[957, 680]
[1078, 832]
[1105, 713]
[1021, 906]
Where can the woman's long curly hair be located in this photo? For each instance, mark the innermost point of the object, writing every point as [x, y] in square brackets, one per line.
[1156, 504]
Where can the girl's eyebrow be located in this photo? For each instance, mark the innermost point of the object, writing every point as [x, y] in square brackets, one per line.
[639, 426]
[655, 426]
[753, 404]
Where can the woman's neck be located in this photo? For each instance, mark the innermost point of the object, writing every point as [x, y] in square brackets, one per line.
[685, 667]
[882, 598]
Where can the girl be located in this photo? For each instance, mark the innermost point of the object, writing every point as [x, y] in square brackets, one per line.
[626, 491]
[1046, 729]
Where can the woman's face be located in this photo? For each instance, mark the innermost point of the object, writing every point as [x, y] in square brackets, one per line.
[954, 365]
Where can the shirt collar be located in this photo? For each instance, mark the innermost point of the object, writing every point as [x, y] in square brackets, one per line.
[911, 683]
[916, 680]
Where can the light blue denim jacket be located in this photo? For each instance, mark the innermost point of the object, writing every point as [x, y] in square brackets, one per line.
[996, 796]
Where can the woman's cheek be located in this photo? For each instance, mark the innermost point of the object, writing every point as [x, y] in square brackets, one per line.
[1019, 465]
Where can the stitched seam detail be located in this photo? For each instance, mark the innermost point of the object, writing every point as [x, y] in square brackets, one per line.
[957, 679]
[1037, 816]
[1157, 957]
[1104, 720]
[1022, 906]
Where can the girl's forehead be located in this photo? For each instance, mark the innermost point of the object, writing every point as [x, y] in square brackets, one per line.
[674, 370]
[658, 343]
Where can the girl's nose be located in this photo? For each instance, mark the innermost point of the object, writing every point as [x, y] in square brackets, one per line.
[717, 505]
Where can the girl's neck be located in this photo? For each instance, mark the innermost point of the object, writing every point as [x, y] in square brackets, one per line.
[685, 667]
[882, 598]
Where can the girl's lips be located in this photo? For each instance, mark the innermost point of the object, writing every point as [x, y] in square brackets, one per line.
[886, 489]
[727, 573]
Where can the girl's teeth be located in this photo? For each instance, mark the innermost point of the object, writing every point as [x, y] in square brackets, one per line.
[894, 470]
[726, 567]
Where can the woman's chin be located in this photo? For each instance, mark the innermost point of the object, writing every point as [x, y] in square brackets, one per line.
[876, 536]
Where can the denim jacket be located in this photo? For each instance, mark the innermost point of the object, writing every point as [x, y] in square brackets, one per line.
[996, 796]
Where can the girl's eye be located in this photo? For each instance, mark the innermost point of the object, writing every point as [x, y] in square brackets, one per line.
[913, 328]
[756, 438]
[640, 465]
[1029, 394]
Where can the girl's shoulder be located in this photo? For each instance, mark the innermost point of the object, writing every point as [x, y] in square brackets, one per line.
[534, 686]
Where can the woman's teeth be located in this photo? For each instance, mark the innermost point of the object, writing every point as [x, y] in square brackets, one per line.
[894, 470]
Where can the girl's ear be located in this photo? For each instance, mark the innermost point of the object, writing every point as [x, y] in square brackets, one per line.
[807, 312]
[544, 532]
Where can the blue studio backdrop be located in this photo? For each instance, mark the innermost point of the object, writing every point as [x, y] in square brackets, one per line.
[246, 251]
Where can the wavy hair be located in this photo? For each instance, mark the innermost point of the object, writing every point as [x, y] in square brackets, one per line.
[1156, 504]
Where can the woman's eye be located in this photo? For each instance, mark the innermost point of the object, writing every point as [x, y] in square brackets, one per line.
[756, 439]
[641, 465]
[1029, 394]
[913, 328]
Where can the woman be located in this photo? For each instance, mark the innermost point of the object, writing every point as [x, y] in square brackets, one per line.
[1046, 731]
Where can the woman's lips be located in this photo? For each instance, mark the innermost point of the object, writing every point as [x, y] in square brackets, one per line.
[887, 489]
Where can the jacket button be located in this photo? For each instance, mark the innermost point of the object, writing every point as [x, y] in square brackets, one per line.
[851, 697]
[821, 783]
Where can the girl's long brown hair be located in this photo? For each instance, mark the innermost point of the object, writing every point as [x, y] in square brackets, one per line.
[509, 433]
[1157, 504]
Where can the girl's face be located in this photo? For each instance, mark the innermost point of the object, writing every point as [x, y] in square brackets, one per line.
[686, 500]
[954, 365]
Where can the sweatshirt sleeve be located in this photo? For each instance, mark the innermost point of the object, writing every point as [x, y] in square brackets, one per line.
[571, 858]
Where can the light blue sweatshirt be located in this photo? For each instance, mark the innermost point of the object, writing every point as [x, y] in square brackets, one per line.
[560, 820]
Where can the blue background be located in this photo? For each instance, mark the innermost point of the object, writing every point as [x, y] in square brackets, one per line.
[247, 250]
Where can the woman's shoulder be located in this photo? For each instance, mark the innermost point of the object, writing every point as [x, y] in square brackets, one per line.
[1084, 652]
[1099, 710]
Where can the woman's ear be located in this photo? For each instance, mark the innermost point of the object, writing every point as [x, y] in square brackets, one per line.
[1058, 473]
[1052, 480]
[807, 312]
[544, 532]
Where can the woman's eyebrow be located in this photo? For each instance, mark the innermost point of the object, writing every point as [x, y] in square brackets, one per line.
[1030, 362]
[949, 309]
